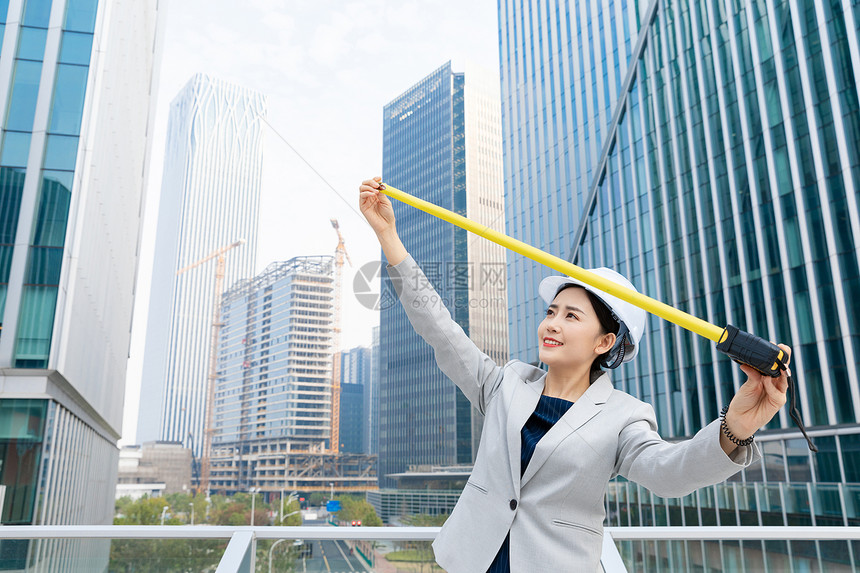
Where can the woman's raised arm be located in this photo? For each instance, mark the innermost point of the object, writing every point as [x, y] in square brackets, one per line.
[457, 356]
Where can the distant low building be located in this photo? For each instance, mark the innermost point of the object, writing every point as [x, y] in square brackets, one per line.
[423, 490]
[155, 468]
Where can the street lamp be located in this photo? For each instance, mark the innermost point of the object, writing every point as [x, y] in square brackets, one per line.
[271, 550]
[289, 514]
[331, 485]
[164, 511]
[192, 513]
[292, 497]
[253, 492]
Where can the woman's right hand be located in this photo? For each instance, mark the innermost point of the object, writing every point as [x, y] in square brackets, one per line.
[375, 206]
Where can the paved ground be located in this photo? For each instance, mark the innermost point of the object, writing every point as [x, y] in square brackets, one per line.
[331, 557]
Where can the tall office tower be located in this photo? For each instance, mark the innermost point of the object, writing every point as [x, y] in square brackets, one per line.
[210, 198]
[562, 68]
[727, 186]
[442, 142]
[75, 79]
[355, 390]
[371, 393]
[273, 394]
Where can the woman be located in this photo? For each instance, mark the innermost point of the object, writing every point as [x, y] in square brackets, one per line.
[553, 439]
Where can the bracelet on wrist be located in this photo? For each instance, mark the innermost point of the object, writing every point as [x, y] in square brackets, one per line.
[732, 438]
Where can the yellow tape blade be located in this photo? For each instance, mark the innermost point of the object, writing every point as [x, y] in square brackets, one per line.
[664, 311]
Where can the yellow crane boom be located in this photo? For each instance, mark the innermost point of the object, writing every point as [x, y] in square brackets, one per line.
[208, 430]
[340, 255]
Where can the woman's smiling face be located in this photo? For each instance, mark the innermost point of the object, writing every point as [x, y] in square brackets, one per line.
[570, 334]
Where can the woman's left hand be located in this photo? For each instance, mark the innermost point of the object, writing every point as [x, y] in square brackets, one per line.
[758, 399]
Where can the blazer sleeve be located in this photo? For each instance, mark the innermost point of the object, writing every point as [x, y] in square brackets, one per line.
[675, 469]
[475, 373]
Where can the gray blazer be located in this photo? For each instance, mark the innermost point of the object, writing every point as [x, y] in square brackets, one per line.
[555, 512]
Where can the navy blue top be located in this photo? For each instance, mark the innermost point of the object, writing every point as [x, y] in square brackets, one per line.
[549, 410]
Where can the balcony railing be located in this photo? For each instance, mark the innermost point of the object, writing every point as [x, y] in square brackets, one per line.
[624, 548]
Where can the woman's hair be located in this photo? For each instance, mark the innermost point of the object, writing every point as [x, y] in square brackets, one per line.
[608, 324]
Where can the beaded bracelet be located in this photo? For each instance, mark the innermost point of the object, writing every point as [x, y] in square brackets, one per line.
[729, 434]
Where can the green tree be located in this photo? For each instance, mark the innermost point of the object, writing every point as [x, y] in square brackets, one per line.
[218, 503]
[173, 555]
[180, 504]
[145, 511]
[159, 555]
[316, 499]
[236, 511]
[354, 508]
[231, 514]
[178, 499]
[424, 520]
[291, 520]
[283, 557]
[122, 504]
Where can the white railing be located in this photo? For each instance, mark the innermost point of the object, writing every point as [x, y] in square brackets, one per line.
[735, 533]
[239, 557]
[215, 532]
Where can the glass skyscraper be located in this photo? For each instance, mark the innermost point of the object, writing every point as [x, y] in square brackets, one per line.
[210, 198]
[75, 84]
[351, 417]
[441, 142]
[563, 66]
[355, 399]
[724, 180]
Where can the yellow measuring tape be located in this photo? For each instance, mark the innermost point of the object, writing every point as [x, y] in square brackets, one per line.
[742, 346]
[764, 356]
[663, 310]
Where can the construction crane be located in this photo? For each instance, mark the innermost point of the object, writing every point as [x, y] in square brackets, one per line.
[208, 429]
[340, 254]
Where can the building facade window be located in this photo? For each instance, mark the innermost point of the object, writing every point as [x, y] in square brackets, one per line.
[22, 424]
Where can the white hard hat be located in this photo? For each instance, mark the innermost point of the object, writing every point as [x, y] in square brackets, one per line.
[631, 318]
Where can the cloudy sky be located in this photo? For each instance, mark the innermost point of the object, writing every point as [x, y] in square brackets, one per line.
[327, 68]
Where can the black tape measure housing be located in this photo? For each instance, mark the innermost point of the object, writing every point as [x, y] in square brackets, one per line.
[746, 348]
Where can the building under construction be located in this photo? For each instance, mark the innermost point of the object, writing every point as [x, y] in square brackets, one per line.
[272, 421]
[270, 467]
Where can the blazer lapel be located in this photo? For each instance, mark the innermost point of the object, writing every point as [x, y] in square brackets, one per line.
[523, 404]
[588, 405]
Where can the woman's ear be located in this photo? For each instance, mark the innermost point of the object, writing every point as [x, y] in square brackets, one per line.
[605, 343]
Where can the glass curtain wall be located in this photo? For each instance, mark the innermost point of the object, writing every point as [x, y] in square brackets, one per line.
[45, 256]
[731, 192]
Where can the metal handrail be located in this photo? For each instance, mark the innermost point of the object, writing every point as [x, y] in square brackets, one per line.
[215, 532]
[735, 533]
[707, 533]
[239, 556]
